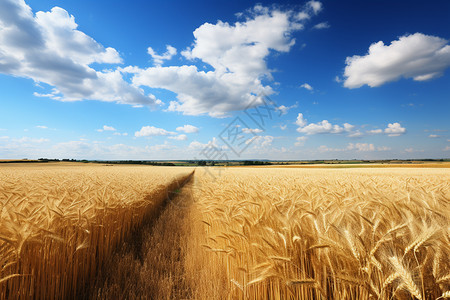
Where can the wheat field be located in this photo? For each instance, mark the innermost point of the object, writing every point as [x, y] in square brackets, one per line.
[265, 233]
[59, 223]
[243, 233]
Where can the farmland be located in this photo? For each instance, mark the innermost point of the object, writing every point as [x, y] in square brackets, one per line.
[238, 233]
[59, 223]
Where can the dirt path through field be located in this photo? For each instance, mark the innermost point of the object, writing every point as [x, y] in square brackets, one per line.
[151, 264]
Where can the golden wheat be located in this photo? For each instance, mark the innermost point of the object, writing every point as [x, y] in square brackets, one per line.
[58, 224]
[320, 234]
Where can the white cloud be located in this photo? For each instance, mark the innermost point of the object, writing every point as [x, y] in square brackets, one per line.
[120, 134]
[152, 131]
[316, 6]
[188, 129]
[324, 148]
[394, 129]
[418, 56]
[159, 59]
[322, 25]
[311, 8]
[196, 145]
[307, 86]
[47, 47]
[283, 127]
[301, 121]
[180, 137]
[348, 127]
[301, 140]
[262, 141]
[434, 136]
[412, 150]
[301, 16]
[250, 130]
[356, 134]
[237, 54]
[30, 140]
[359, 147]
[165, 146]
[384, 148]
[446, 148]
[285, 109]
[41, 127]
[375, 131]
[320, 127]
[106, 128]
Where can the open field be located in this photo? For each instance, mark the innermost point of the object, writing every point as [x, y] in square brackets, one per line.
[60, 222]
[362, 165]
[105, 232]
[320, 234]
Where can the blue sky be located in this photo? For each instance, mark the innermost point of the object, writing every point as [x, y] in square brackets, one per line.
[180, 80]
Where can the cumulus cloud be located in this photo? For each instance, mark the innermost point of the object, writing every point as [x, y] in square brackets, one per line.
[301, 140]
[250, 130]
[323, 127]
[188, 129]
[47, 47]
[180, 137]
[159, 59]
[375, 131]
[237, 54]
[322, 25]
[106, 128]
[355, 134]
[262, 141]
[394, 129]
[301, 121]
[315, 6]
[417, 56]
[196, 145]
[30, 140]
[120, 134]
[307, 86]
[165, 146]
[348, 127]
[359, 147]
[285, 109]
[152, 131]
[434, 136]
